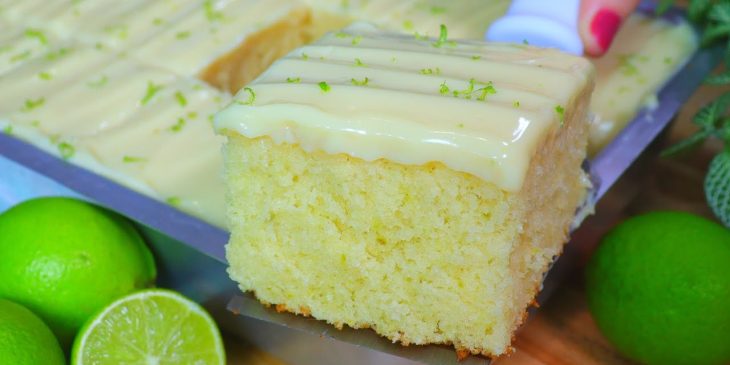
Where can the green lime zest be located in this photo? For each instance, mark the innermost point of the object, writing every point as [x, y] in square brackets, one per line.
[180, 97]
[66, 150]
[363, 82]
[182, 35]
[560, 111]
[31, 104]
[210, 12]
[133, 159]
[443, 88]
[152, 90]
[178, 126]
[37, 34]
[324, 86]
[293, 80]
[100, 82]
[443, 37]
[251, 97]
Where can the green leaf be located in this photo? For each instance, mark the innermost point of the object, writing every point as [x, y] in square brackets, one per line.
[714, 32]
[688, 143]
[720, 12]
[697, 9]
[717, 187]
[719, 79]
[710, 113]
[663, 6]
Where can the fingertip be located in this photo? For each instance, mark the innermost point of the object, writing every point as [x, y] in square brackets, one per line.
[599, 22]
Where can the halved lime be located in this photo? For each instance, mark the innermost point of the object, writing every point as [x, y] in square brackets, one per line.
[154, 326]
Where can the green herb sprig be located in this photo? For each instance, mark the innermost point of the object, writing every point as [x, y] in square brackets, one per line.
[713, 17]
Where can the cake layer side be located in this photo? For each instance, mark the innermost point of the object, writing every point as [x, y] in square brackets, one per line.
[554, 188]
[420, 254]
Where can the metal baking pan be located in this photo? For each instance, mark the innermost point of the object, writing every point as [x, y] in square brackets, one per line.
[191, 256]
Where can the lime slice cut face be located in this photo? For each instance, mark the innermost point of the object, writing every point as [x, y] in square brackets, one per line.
[150, 327]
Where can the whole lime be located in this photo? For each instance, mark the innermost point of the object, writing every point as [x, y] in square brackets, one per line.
[25, 339]
[65, 259]
[659, 289]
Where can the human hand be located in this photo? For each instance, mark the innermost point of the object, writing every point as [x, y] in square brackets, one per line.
[599, 21]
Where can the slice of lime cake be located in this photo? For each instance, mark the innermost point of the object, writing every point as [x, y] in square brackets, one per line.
[418, 187]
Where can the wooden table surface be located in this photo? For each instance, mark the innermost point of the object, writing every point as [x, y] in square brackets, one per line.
[563, 332]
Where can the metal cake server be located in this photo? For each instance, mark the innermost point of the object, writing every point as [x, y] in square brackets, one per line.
[191, 257]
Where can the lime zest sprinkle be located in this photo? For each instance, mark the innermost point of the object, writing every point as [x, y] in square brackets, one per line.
[120, 31]
[407, 25]
[431, 71]
[251, 97]
[152, 89]
[516, 104]
[173, 200]
[305, 56]
[341, 34]
[98, 83]
[668, 60]
[182, 35]
[460, 125]
[560, 110]
[293, 80]
[132, 159]
[157, 21]
[443, 38]
[31, 104]
[435, 10]
[66, 150]
[443, 35]
[358, 62]
[180, 97]
[57, 54]
[8, 129]
[443, 88]
[37, 34]
[192, 115]
[324, 86]
[356, 40]
[210, 13]
[20, 56]
[363, 82]
[178, 126]
[476, 57]
[627, 65]
[420, 37]
[45, 75]
[487, 89]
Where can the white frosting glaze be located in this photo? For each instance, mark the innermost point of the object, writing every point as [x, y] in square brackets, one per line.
[406, 116]
[465, 19]
[195, 41]
[119, 27]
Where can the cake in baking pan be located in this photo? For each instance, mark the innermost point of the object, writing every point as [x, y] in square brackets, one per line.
[227, 43]
[416, 186]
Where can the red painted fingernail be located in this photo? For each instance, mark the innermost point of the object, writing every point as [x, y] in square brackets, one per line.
[604, 27]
